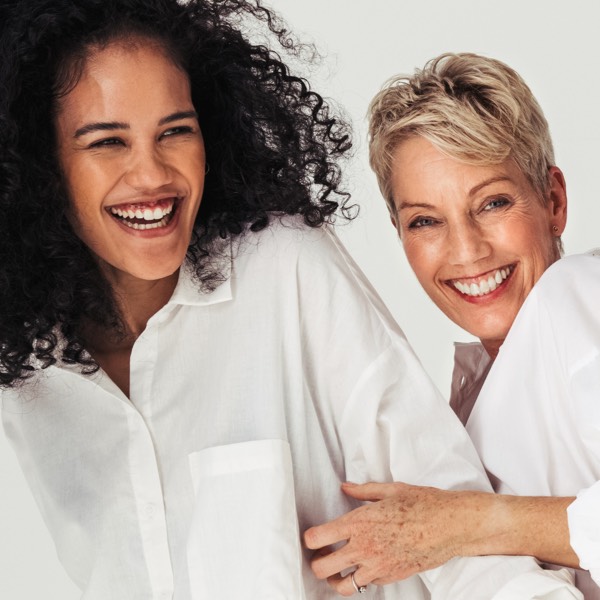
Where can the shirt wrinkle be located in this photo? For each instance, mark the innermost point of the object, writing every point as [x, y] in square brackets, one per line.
[536, 421]
[231, 379]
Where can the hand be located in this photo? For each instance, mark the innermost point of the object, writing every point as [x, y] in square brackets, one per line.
[406, 529]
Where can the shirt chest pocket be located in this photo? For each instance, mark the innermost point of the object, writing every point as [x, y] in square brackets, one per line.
[244, 541]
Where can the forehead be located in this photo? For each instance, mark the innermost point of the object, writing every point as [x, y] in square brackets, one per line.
[420, 170]
[122, 73]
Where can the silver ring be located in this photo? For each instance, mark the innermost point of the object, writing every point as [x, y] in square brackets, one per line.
[361, 589]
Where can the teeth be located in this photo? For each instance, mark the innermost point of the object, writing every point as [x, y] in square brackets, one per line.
[484, 286]
[145, 226]
[157, 215]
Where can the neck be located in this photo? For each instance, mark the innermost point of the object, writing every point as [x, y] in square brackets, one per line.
[137, 300]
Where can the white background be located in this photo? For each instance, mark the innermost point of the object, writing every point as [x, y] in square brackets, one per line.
[553, 44]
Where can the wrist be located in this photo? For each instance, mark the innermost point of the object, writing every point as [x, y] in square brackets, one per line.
[522, 526]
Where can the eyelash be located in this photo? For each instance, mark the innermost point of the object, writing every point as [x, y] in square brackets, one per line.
[179, 130]
[501, 199]
[113, 141]
[418, 222]
[106, 142]
[494, 204]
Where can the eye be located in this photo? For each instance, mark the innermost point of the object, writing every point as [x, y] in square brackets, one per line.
[421, 222]
[179, 130]
[495, 203]
[105, 142]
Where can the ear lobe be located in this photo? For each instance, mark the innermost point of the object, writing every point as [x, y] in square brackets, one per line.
[557, 199]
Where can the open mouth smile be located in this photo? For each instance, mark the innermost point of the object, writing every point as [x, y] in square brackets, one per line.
[145, 215]
[483, 284]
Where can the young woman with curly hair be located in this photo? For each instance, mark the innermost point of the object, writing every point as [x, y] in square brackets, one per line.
[190, 361]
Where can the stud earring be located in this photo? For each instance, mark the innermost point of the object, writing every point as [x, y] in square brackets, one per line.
[555, 229]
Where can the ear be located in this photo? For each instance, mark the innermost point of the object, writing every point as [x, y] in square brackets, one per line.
[557, 199]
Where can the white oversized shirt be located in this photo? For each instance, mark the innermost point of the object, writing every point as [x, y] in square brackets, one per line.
[248, 407]
[536, 423]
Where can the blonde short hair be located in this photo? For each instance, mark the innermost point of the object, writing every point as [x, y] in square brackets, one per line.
[472, 108]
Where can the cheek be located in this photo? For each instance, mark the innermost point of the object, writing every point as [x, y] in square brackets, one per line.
[423, 259]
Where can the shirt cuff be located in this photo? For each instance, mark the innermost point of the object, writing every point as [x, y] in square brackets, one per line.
[540, 585]
[584, 529]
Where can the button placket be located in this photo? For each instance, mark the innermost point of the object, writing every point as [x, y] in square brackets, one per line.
[145, 469]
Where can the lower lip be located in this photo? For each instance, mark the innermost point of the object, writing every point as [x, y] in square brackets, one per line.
[490, 296]
[155, 232]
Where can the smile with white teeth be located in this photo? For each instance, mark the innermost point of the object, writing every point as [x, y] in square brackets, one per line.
[484, 285]
[142, 218]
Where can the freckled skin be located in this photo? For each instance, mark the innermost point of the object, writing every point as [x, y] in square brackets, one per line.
[395, 534]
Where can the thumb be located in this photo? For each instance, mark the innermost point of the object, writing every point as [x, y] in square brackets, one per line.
[372, 491]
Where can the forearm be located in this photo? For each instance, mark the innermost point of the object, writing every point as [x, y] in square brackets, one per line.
[521, 525]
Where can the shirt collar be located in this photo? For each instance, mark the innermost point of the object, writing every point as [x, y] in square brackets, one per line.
[189, 291]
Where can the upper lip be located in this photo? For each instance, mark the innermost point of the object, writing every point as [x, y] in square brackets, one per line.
[146, 200]
[479, 276]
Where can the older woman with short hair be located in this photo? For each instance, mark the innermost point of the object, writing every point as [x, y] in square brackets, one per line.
[464, 159]
[178, 376]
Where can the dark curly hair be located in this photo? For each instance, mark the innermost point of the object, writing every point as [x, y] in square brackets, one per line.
[271, 142]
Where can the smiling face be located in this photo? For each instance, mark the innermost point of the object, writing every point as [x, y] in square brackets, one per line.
[477, 237]
[132, 158]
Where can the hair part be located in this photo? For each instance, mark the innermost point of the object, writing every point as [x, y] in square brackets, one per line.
[472, 108]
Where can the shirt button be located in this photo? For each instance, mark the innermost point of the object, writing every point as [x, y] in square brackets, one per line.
[149, 511]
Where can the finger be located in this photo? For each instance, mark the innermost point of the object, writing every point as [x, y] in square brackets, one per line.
[344, 585]
[373, 491]
[331, 564]
[339, 584]
[327, 534]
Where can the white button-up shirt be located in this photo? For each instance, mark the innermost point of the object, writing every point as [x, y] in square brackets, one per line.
[536, 423]
[248, 406]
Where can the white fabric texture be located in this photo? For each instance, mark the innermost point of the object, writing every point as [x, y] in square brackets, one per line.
[536, 423]
[249, 405]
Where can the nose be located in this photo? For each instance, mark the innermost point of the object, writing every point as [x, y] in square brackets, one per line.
[147, 169]
[467, 243]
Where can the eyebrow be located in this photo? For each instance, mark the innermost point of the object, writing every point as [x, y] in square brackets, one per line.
[112, 125]
[178, 116]
[487, 182]
[91, 127]
[413, 205]
[472, 192]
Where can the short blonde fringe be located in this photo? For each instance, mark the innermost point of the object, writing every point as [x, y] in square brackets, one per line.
[472, 108]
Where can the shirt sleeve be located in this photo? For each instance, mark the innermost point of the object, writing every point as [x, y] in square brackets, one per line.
[584, 527]
[583, 379]
[540, 401]
[391, 422]
[411, 435]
